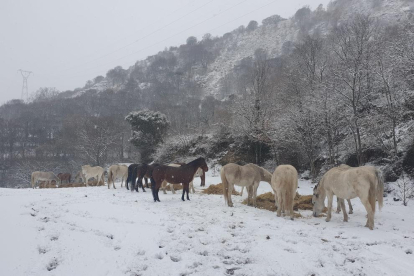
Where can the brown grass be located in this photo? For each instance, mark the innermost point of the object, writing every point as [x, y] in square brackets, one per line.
[267, 201]
[217, 190]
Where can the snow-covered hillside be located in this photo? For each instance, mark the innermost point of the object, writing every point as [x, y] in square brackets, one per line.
[96, 231]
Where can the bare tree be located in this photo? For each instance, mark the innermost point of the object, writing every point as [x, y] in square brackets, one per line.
[405, 189]
[254, 109]
[353, 48]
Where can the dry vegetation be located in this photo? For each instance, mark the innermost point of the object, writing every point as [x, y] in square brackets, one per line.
[267, 201]
[176, 187]
[217, 190]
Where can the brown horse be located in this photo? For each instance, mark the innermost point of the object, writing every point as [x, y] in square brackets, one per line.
[64, 177]
[176, 175]
[136, 171]
[148, 174]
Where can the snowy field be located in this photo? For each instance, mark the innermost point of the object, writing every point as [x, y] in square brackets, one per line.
[96, 231]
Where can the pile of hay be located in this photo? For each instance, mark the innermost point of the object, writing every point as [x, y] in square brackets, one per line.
[71, 185]
[176, 187]
[267, 201]
[217, 190]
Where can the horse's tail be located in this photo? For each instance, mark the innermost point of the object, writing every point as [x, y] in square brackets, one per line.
[32, 181]
[225, 185]
[380, 188]
[290, 192]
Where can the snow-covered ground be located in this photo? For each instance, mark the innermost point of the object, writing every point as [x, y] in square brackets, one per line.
[96, 231]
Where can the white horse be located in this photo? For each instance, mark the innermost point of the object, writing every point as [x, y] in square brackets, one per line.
[347, 183]
[248, 176]
[92, 172]
[165, 184]
[285, 184]
[48, 177]
[117, 171]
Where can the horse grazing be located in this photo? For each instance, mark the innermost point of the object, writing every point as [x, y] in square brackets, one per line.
[117, 171]
[284, 185]
[48, 177]
[64, 177]
[347, 183]
[92, 172]
[248, 176]
[176, 175]
[136, 171]
[199, 173]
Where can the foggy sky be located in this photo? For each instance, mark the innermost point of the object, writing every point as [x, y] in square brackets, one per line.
[66, 43]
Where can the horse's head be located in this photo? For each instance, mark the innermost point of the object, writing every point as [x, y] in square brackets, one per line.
[203, 164]
[318, 199]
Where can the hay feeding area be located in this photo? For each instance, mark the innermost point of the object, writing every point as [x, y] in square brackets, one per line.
[267, 201]
[176, 187]
[217, 190]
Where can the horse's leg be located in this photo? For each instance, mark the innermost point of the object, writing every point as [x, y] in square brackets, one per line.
[338, 205]
[249, 195]
[256, 185]
[153, 193]
[342, 202]
[330, 199]
[182, 197]
[279, 203]
[368, 208]
[276, 202]
[229, 193]
[192, 186]
[351, 210]
[203, 179]
[187, 190]
[158, 198]
[241, 193]
[172, 188]
[146, 182]
[164, 187]
[140, 184]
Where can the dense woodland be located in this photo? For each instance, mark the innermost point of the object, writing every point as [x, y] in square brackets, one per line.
[341, 91]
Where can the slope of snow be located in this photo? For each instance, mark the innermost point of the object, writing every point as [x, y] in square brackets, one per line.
[96, 231]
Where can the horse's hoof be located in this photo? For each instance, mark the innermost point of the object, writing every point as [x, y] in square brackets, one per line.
[327, 219]
[345, 220]
[183, 199]
[351, 212]
[338, 211]
[158, 200]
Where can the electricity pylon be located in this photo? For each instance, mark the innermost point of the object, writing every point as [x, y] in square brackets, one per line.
[25, 88]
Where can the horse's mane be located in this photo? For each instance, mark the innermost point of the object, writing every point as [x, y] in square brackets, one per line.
[196, 161]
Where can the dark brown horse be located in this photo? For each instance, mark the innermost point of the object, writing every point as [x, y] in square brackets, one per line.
[176, 175]
[136, 171]
[64, 177]
[202, 175]
[148, 174]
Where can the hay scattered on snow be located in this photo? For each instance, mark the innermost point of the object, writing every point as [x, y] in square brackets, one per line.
[176, 187]
[217, 190]
[267, 201]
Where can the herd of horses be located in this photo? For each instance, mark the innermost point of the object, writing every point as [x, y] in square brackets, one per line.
[344, 182]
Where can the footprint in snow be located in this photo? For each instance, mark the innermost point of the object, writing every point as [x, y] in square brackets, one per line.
[53, 264]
